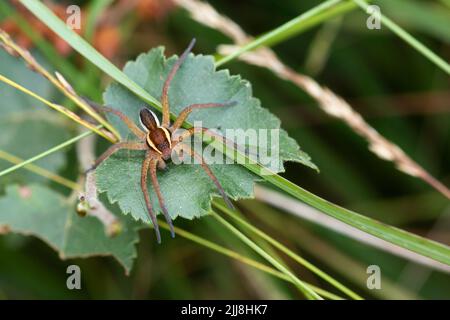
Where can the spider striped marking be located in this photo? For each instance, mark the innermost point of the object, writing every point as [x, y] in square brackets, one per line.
[152, 144]
[150, 123]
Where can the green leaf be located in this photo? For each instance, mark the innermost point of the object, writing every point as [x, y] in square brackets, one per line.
[186, 188]
[26, 126]
[39, 211]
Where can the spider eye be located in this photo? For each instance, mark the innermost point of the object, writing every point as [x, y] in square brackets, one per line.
[149, 120]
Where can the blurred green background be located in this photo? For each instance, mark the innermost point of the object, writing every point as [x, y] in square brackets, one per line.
[398, 91]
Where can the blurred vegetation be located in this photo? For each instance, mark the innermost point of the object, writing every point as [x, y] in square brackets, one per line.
[398, 91]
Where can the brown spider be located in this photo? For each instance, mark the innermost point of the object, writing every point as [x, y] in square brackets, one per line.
[158, 142]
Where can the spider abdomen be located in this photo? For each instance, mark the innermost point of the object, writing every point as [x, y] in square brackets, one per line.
[159, 140]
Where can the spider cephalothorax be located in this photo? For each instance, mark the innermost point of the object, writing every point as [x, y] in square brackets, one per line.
[158, 141]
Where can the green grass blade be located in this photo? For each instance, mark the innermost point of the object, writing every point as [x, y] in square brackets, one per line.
[66, 112]
[287, 251]
[309, 293]
[408, 38]
[47, 152]
[404, 239]
[291, 28]
[243, 259]
[46, 48]
[79, 44]
[95, 9]
[40, 171]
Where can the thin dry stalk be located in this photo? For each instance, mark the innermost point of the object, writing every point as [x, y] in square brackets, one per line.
[328, 101]
[88, 201]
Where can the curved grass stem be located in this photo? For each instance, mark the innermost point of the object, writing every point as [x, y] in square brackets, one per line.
[48, 51]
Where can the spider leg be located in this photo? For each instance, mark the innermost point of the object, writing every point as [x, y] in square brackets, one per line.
[165, 91]
[145, 167]
[129, 123]
[117, 147]
[186, 111]
[156, 186]
[191, 131]
[211, 175]
[194, 130]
